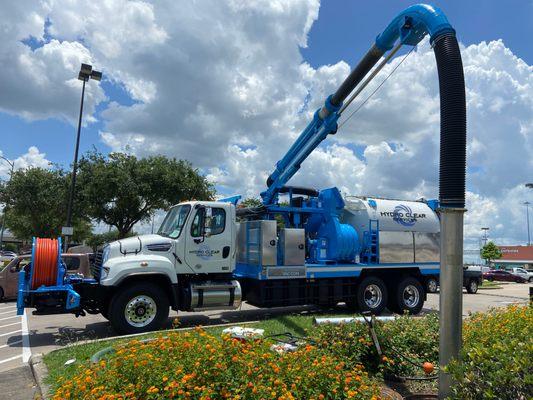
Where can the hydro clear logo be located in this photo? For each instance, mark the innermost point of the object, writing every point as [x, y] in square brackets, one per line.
[403, 215]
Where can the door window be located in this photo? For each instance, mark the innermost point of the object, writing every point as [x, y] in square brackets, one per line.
[218, 222]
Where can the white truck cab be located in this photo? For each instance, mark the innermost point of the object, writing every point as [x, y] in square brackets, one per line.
[195, 238]
[187, 265]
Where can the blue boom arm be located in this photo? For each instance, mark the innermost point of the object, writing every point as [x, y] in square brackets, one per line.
[410, 26]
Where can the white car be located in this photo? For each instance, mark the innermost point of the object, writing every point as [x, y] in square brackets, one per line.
[7, 256]
[523, 273]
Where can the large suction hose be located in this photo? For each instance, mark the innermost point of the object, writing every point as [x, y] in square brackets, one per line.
[452, 122]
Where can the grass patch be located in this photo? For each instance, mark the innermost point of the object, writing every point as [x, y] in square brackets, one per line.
[490, 285]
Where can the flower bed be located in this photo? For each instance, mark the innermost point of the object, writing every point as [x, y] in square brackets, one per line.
[198, 365]
[497, 357]
[341, 363]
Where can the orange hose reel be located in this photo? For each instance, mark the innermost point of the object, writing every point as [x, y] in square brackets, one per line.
[45, 258]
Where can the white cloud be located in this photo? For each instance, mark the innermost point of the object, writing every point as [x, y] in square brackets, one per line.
[224, 85]
[32, 158]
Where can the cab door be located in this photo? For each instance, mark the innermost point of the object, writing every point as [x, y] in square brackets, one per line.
[209, 240]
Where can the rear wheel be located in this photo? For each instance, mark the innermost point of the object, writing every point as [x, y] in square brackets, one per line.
[531, 280]
[407, 296]
[372, 295]
[472, 286]
[1, 293]
[142, 307]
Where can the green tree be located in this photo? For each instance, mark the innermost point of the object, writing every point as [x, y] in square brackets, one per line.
[490, 252]
[98, 239]
[35, 200]
[122, 190]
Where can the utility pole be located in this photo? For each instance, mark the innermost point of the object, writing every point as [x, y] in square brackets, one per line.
[12, 165]
[86, 73]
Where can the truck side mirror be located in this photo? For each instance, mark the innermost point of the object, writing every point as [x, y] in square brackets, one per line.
[208, 219]
[14, 268]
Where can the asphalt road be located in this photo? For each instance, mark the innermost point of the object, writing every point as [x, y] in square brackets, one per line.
[50, 332]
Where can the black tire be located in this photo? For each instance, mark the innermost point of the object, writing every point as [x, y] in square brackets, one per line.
[431, 285]
[530, 280]
[408, 296]
[1, 293]
[472, 286]
[372, 289]
[105, 312]
[142, 299]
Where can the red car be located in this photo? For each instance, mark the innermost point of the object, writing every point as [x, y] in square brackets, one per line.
[501, 275]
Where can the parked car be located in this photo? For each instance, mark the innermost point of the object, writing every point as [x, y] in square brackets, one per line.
[528, 276]
[75, 263]
[472, 280]
[6, 255]
[503, 276]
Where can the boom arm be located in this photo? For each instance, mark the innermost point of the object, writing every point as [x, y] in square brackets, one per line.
[410, 26]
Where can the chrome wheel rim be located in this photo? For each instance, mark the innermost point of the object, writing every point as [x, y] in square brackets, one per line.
[140, 311]
[373, 296]
[411, 296]
[473, 285]
[432, 285]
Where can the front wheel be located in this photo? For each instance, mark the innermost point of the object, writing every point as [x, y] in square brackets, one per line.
[371, 295]
[472, 286]
[531, 280]
[407, 296]
[142, 307]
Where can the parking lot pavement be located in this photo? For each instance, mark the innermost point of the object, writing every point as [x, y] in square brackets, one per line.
[14, 340]
[53, 331]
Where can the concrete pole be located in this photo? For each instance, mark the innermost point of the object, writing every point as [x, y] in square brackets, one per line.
[451, 292]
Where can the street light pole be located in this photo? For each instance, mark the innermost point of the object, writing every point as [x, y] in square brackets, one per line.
[527, 203]
[12, 164]
[86, 73]
[485, 232]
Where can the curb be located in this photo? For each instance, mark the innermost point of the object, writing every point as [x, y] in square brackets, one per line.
[40, 372]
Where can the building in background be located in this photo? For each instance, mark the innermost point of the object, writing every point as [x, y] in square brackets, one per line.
[515, 256]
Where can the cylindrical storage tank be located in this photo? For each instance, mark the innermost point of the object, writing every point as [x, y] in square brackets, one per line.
[392, 215]
[409, 231]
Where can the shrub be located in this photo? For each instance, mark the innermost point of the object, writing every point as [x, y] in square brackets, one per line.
[415, 338]
[497, 357]
[197, 365]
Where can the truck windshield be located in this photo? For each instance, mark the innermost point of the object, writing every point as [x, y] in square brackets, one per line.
[174, 221]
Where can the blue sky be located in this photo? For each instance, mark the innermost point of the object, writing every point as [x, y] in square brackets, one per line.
[229, 85]
[340, 33]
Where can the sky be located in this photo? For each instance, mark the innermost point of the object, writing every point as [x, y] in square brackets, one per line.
[229, 85]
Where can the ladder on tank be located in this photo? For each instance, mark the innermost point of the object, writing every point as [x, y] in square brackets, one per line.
[371, 242]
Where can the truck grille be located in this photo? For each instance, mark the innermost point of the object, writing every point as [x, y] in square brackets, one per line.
[96, 266]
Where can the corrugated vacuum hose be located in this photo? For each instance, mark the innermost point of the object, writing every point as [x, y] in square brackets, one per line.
[45, 257]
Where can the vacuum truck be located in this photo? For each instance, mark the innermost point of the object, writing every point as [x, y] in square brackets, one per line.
[315, 247]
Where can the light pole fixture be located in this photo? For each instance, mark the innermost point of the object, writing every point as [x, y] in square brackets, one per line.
[86, 72]
[485, 237]
[527, 203]
[12, 165]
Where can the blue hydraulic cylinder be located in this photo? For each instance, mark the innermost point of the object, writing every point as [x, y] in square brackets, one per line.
[309, 139]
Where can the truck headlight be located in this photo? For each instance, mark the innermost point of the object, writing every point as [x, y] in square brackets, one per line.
[105, 254]
[104, 273]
